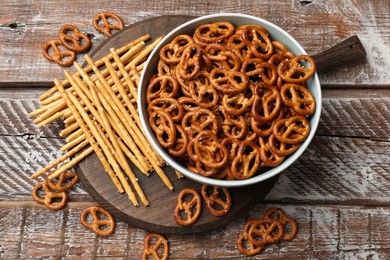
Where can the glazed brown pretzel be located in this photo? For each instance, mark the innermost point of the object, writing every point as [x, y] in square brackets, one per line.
[191, 208]
[62, 58]
[228, 81]
[66, 181]
[150, 249]
[78, 42]
[172, 52]
[97, 222]
[214, 32]
[50, 197]
[215, 200]
[298, 98]
[295, 70]
[107, 27]
[189, 65]
[265, 231]
[280, 216]
[164, 127]
[244, 245]
[292, 131]
[209, 150]
[247, 161]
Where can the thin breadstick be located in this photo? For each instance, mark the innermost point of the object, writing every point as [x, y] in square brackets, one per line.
[66, 166]
[74, 134]
[90, 139]
[107, 123]
[118, 150]
[125, 75]
[122, 132]
[42, 109]
[51, 119]
[83, 92]
[60, 159]
[101, 143]
[137, 127]
[152, 160]
[87, 69]
[72, 143]
[49, 112]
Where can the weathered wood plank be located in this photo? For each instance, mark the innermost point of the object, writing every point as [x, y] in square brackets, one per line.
[325, 232]
[25, 26]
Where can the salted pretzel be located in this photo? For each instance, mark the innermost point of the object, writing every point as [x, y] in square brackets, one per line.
[236, 128]
[51, 50]
[228, 81]
[179, 148]
[236, 44]
[164, 127]
[244, 245]
[190, 61]
[298, 98]
[268, 158]
[190, 208]
[258, 70]
[238, 104]
[216, 55]
[162, 86]
[267, 102]
[172, 52]
[218, 202]
[209, 150]
[76, 41]
[297, 70]
[289, 224]
[107, 26]
[156, 246]
[279, 148]
[265, 231]
[168, 105]
[214, 32]
[256, 37]
[102, 223]
[65, 181]
[247, 161]
[202, 92]
[50, 198]
[292, 131]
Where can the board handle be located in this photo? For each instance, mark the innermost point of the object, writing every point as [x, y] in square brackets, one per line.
[342, 53]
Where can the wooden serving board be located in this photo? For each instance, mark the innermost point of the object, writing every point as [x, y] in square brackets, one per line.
[158, 217]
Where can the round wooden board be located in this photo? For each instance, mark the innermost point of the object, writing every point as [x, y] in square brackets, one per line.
[158, 217]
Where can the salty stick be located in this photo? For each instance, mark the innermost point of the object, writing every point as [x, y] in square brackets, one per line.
[101, 143]
[90, 139]
[118, 150]
[86, 96]
[125, 75]
[42, 109]
[122, 132]
[60, 159]
[72, 143]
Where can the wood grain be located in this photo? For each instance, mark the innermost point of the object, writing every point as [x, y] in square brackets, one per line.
[25, 26]
[338, 191]
[325, 232]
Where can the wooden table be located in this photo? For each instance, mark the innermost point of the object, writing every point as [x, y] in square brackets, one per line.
[338, 191]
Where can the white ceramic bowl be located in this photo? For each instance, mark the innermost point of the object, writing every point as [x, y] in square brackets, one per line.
[276, 33]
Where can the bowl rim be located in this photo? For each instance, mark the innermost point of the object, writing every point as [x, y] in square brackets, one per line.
[314, 119]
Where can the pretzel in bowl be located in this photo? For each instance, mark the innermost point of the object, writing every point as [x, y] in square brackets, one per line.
[241, 101]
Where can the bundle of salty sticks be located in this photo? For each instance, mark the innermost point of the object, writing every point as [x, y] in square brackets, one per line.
[98, 105]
